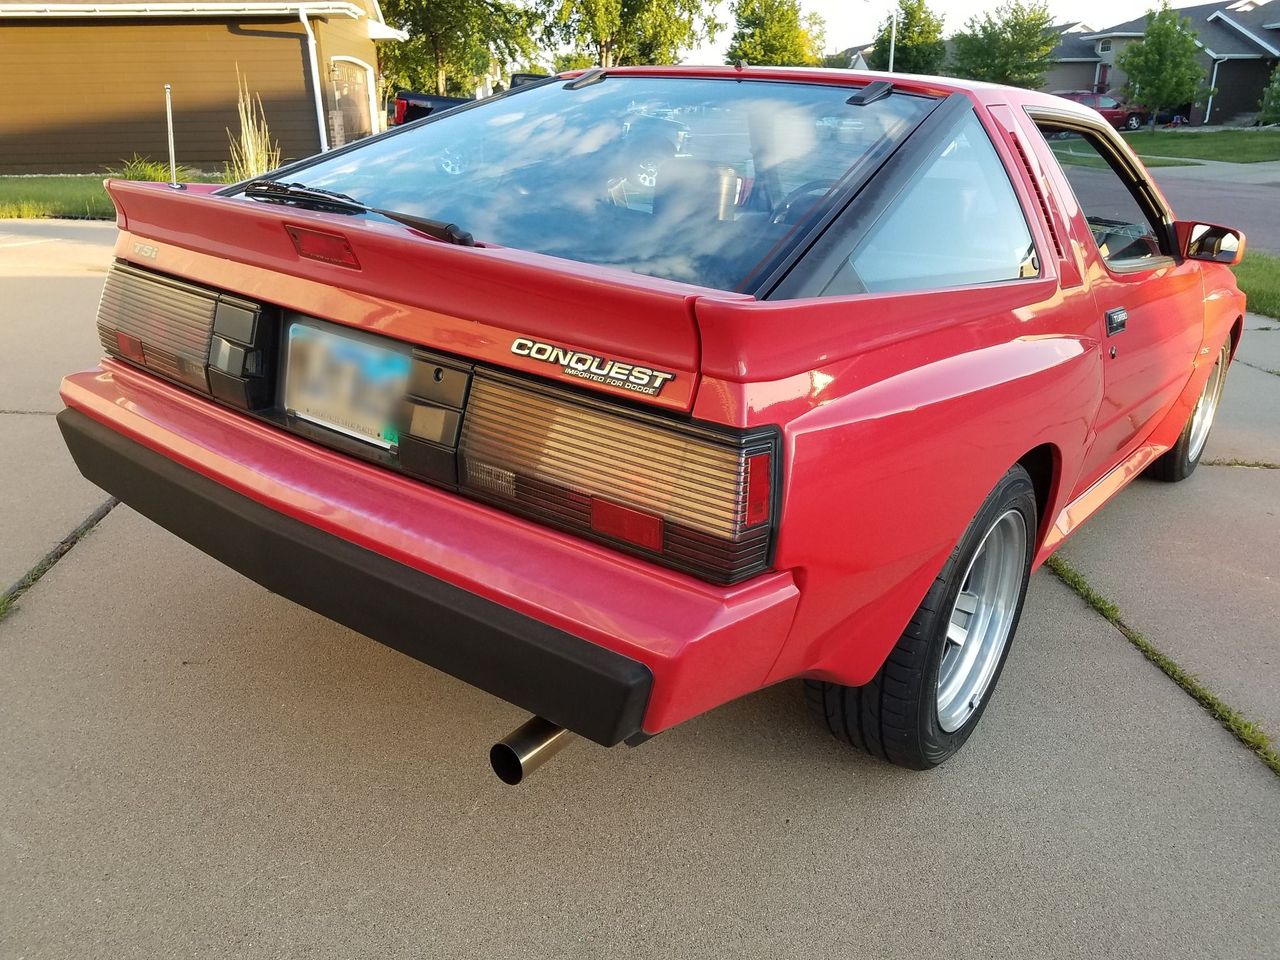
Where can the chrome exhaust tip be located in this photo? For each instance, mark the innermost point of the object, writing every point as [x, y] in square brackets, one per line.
[527, 748]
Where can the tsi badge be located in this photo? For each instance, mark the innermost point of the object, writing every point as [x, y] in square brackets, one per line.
[587, 366]
[148, 250]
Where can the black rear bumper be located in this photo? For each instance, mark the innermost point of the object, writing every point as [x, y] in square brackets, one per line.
[594, 692]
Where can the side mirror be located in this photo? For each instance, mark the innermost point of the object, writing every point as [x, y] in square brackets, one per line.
[1205, 241]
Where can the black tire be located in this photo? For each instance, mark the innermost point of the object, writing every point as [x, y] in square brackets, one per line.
[1133, 121]
[1180, 461]
[895, 716]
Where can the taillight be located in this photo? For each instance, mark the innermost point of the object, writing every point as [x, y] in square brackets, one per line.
[157, 322]
[401, 106]
[691, 497]
[213, 341]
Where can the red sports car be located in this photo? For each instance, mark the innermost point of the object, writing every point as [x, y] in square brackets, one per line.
[620, 442]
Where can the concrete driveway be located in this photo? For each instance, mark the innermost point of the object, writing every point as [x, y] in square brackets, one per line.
[193, 767]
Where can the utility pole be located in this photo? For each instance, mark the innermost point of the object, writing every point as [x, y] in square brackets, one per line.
[893, 33]
[893, 36]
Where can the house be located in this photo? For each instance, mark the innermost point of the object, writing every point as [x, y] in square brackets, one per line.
[1074, 59]
[1239, 44]
[851, 58]
[86, 80]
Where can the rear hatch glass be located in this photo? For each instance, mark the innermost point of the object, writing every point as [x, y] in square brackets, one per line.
[697, 180]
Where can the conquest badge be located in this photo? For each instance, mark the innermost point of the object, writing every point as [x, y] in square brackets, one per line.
[588, 366]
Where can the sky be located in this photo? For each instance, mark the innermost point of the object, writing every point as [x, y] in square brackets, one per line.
[852, 22]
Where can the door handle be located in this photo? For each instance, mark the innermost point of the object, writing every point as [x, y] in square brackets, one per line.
[1117, 320]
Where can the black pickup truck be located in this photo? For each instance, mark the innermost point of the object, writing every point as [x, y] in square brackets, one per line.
[409, 106]
[414, 106]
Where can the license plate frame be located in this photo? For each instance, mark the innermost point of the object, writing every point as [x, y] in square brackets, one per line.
[345, 380]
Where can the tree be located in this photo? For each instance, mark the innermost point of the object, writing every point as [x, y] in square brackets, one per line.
[1012, 44]
[621, 32]
[577, 60]
[919, 48]
[1270, 104]
[451, 42]
[1163, 67]
[774, 32]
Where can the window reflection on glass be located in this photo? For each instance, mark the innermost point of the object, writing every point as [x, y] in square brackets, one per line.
[697, 180]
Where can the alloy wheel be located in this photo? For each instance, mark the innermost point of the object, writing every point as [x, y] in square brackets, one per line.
[981, 620]
[1207, 405]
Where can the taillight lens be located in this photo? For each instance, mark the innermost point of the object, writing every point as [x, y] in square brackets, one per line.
[158, 322]
[691, 497]
[401, 107]
[213, 341]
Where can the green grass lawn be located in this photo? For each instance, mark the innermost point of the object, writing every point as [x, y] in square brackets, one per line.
[73, 197]
[78, 197]
[1233, 146]
[1259, 278]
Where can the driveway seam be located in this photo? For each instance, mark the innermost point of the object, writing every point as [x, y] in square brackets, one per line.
[10, 597]
[30, 413]
[1243, 729]
[1274, 373]
[1237, 462]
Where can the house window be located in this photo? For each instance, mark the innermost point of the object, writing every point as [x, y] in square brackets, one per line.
[1104, 46]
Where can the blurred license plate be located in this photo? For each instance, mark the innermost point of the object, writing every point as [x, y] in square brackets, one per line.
[347, 384]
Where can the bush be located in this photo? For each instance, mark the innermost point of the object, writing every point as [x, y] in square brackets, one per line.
[144, 168]
[1271, 100]
[252, 153]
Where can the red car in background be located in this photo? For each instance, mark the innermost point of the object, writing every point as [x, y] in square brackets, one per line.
[1121, 115]
[620, 448]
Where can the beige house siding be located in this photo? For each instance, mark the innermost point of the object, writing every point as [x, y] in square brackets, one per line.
[1069, 76]
[84, 94]
[1115, 77]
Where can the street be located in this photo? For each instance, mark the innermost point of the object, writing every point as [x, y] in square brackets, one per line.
[1243, 195]
[193, 766]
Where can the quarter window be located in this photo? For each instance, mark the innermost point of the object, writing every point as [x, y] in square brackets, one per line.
[956, 222]
[1124, 231]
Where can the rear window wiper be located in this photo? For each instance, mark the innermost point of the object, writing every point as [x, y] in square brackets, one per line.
[316, 198]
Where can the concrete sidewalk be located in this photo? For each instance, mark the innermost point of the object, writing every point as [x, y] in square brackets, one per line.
[50, 279]
[1266, 173]
[194, 767]
[1193, 565]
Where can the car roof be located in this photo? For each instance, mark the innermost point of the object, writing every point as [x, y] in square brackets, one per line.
[976, 90]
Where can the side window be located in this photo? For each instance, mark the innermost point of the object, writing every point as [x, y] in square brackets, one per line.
[1107, 103]
[1126, 234]
[956, 222]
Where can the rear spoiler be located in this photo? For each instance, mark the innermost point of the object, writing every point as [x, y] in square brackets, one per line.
[578, 306]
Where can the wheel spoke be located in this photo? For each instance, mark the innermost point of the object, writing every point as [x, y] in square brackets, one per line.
[981, 620]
